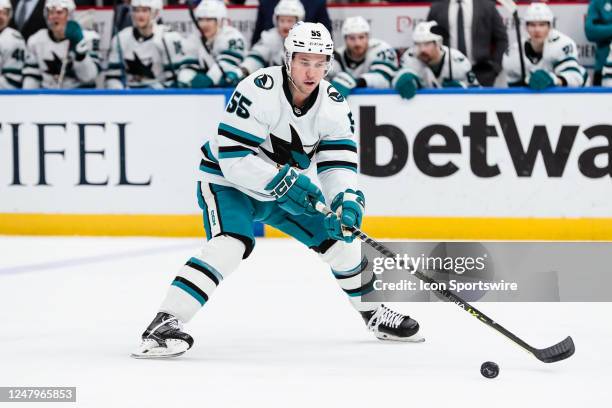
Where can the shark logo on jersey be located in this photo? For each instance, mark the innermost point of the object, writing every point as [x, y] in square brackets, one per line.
[54, 66]
[334, 95]
[137, 68]
[264, 81]
[291, 153]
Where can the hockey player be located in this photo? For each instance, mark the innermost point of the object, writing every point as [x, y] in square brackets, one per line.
[218, 47]
[283, 127]
[12, 50]
[63, 55]
[362, 61]
[550, 57]
[606, 72]
[429, 64]
[147, 55]
[268, 51]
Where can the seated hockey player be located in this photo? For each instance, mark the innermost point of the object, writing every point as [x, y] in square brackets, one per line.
[12, 50]
[550, 57]
[362, 61]
[62, 55]
[217, 46]
[429, 64]
[147, 55]
[283, 127]
[606, 72]
[268, 51]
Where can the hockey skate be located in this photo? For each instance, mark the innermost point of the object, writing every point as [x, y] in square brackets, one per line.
[389, 325]
[163, 338]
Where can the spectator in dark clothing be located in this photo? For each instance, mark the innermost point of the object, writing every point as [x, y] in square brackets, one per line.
[598, 28]
[476, 29]
[28, 16]
[316, 12]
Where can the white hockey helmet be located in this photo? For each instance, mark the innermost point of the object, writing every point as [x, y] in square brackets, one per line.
[6, 4]
[292, 8]
[310, 38]
[355, 25]
[539, 12]
[211, 9]
[154, 5]
[423, 33]
[60, 4]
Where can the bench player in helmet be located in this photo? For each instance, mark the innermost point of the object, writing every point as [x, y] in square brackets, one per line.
[550, 57]
[62, 55]
[217, 46]
[12, 50]
[268, 51]
[606, 72]
[284, 127]
[429, 64]
[362, 61]
[147, 55]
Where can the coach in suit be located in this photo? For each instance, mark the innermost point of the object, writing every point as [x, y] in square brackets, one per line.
[28, 16]
[476, 29]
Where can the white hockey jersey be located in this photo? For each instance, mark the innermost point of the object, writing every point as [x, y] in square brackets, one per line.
[377, 68]
[146, 62]
[221, 54]
[606, 72]
[12, 56]
[268, 51]
[45, 57]
[261, 130]
[456, 68]
[559, 56]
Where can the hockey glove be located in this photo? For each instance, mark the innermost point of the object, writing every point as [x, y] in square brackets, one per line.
[542, 79]
[231, 78]
[74, 34]
[406, 85]
[452, 83]
[294, 192]
[200, 81]
[348, 208]
[344, 83]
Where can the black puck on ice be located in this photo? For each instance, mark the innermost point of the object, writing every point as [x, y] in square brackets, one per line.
[489, 369]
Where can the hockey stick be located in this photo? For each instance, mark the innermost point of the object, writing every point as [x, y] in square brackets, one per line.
[557, 352]
[115, 31]
[513, 9]
[170, 62]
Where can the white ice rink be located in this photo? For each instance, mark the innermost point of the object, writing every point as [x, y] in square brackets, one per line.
[277, 333]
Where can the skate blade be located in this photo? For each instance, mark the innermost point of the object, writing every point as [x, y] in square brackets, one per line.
[412, 339]
[149, 349]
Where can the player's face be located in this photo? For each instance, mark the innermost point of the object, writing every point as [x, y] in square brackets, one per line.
[307, 70]
[284, 24]
[428, 51]
[5, 17]
[208, 26]
[538, 31]
[141, 17]
[57, 19]
[357, 44]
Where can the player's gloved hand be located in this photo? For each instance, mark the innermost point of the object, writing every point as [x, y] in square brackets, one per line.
[348, 207]
[294, 192]
[542, 79]
[201, 80]
[231, 78]
[452, 83]
[74, 34]
[344, 83]
[406, 85]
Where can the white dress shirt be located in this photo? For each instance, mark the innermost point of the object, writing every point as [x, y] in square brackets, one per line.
[468, 13]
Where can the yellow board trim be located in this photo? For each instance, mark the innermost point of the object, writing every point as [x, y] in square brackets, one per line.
[429, 228]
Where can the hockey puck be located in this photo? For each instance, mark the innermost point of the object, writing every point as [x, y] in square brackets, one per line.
[489, 369]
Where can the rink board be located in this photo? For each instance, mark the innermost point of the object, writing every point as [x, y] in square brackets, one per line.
[488, 164]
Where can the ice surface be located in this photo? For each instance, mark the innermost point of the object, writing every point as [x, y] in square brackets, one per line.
[278, 332]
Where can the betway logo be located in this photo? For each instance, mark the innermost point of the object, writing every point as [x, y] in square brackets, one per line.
[594, 162]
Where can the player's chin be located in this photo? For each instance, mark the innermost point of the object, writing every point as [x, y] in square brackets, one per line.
[310, 85]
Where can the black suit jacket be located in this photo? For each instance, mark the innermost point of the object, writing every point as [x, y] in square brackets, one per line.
[316, 12]
[34, 23]
[489, 37]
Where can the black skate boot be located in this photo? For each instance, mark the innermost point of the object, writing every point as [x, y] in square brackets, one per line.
[389, 325]
[163, 338]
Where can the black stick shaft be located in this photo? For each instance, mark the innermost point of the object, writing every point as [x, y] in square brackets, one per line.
[517, 26]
